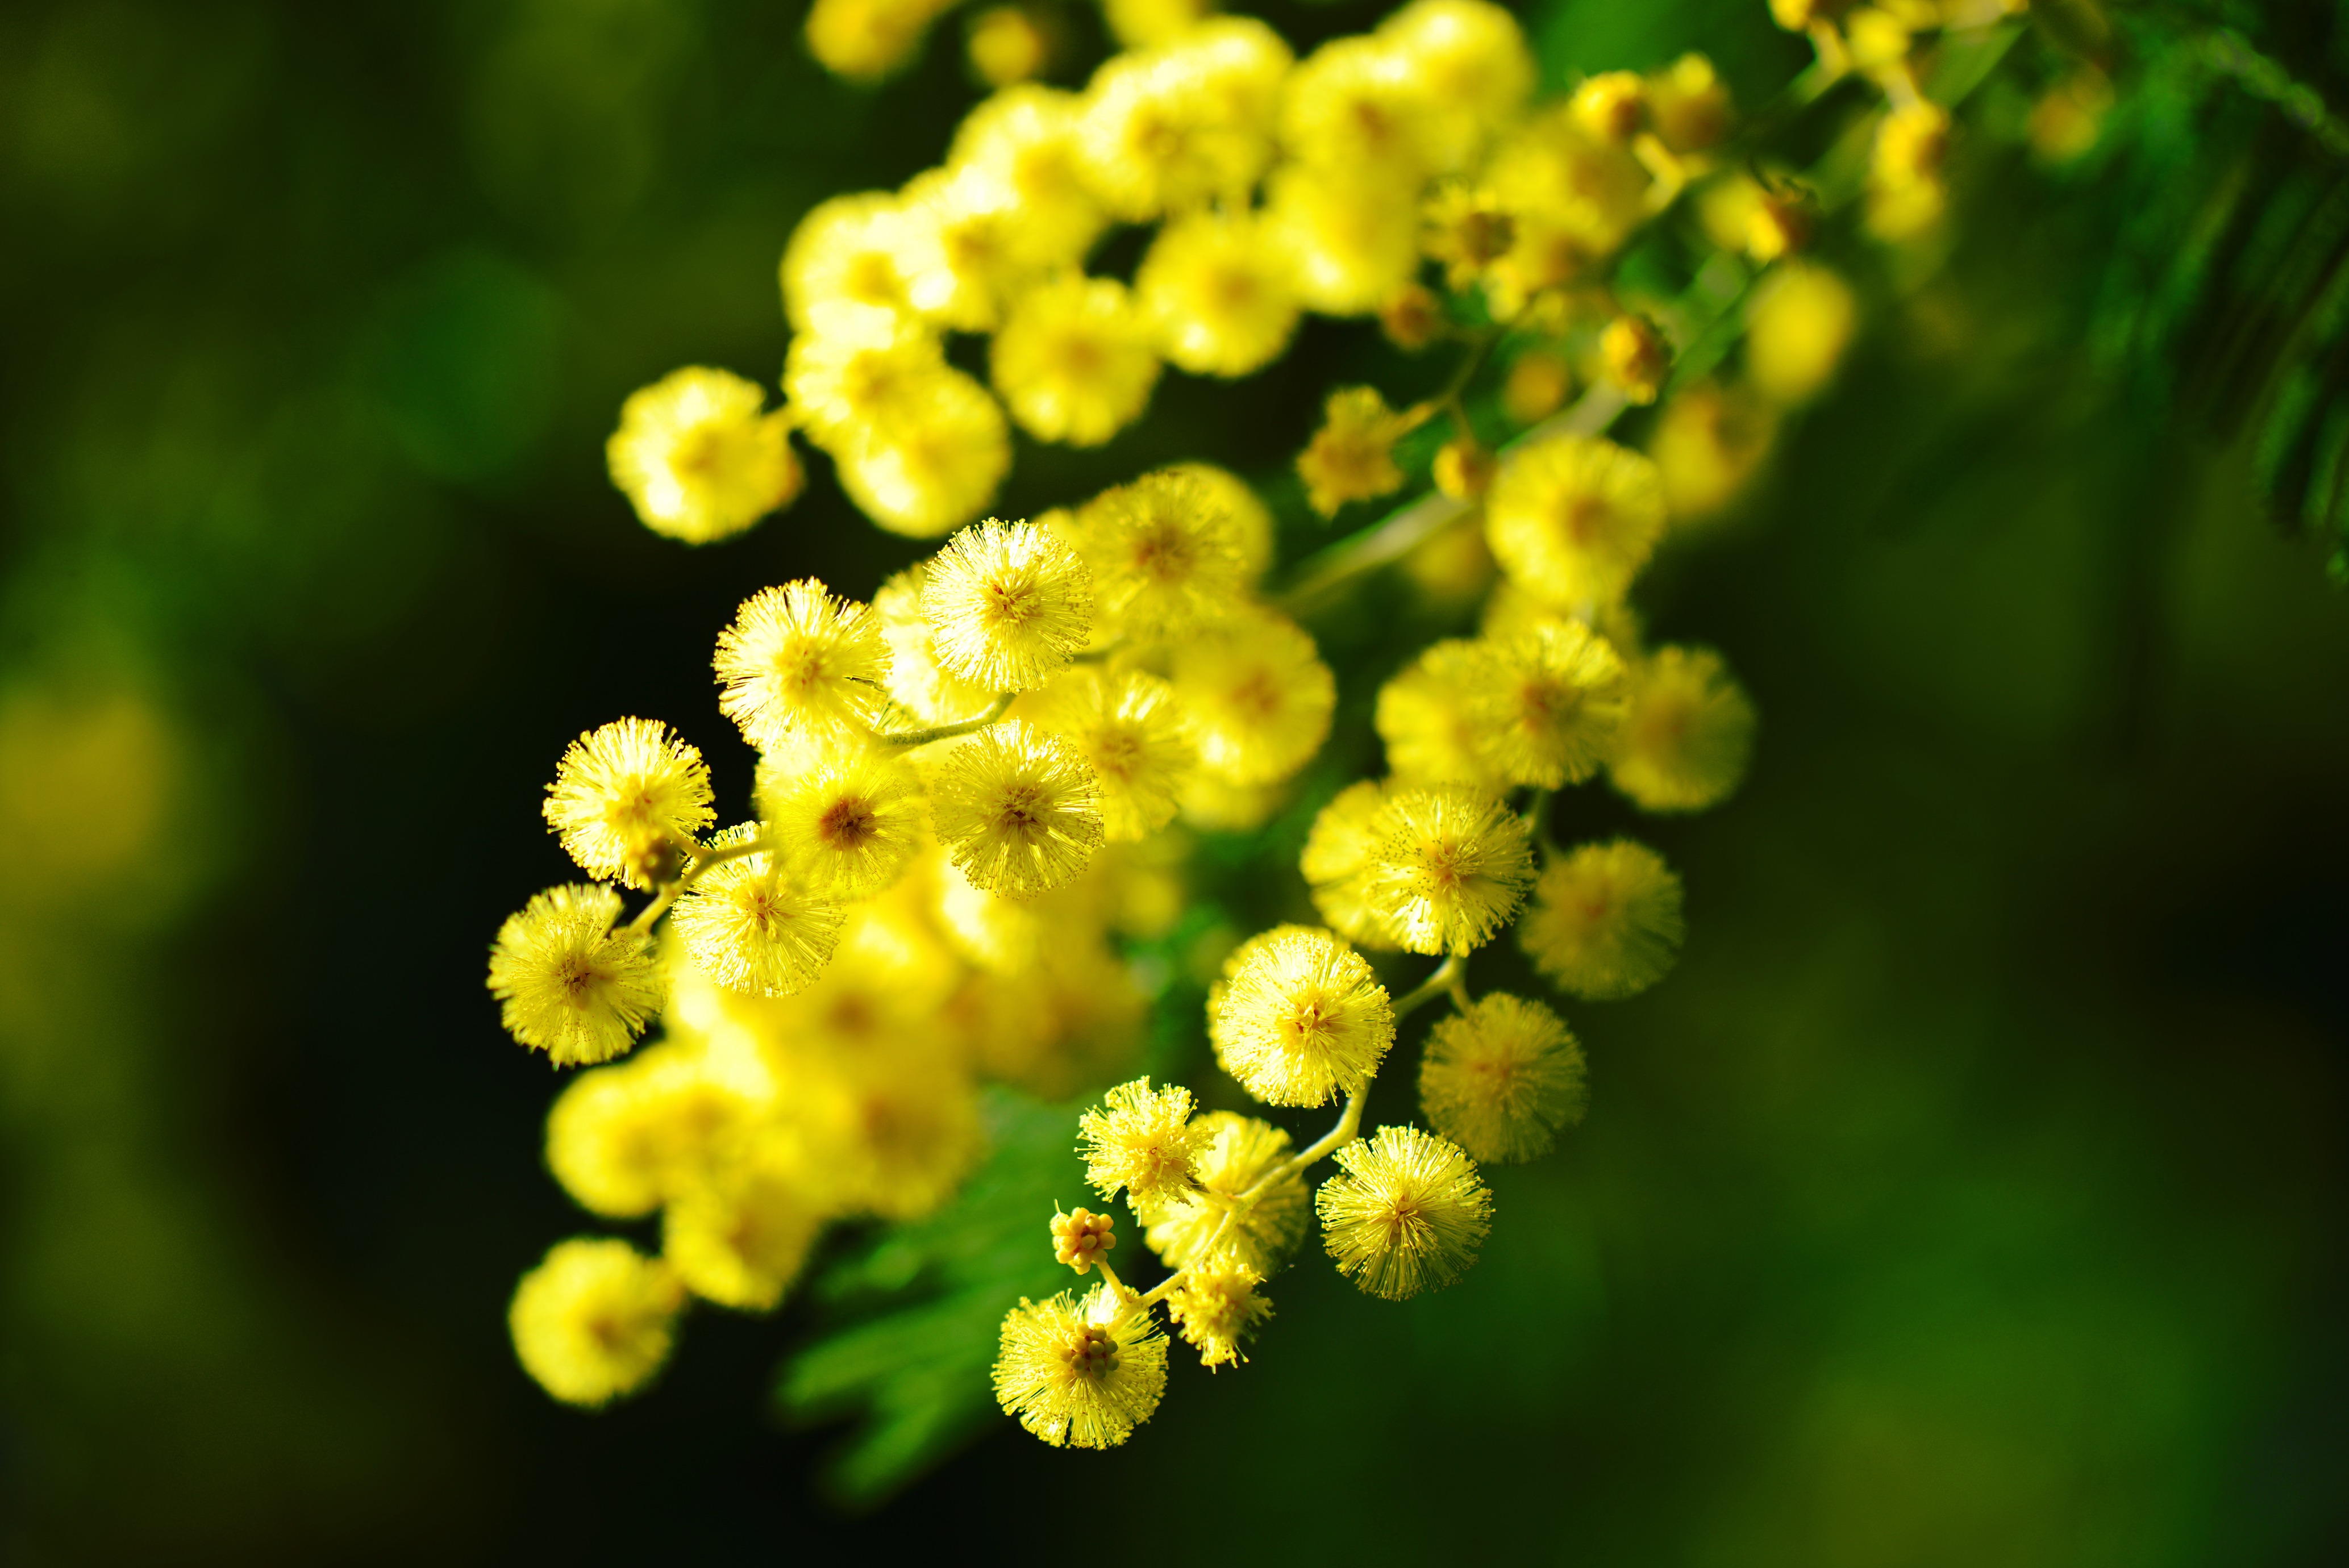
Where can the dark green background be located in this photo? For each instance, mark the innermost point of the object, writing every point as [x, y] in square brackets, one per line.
[1972, 1194]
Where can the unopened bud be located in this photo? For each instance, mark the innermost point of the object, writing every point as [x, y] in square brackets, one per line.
[1465, 469]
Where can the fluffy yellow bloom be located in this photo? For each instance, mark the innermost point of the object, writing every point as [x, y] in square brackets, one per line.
[1574, 518]
[1355, 104]
[1551, 705]
[1298, 1017]
[1467, 228]
[595, 1320]
[1472, 70]
[1142, 1140]
[935, 464]
[1636, 357]
[890, 1128]
[1707, 443]
[1083, 1372]
[1006, 46]
[1073, 360]
[867, 40]
[1127, 725]
[623, 1139]
[1406, 1213]
[1238, 1152]
[918, 681]
[796, 660]
[1217, 294]
[858, 250]
[1165, 554]
[1610, 107]
[750, 927]
[971, 257]
[1690, 731]
[1081, 1240]
[1018, 810]
[1910, 144]
[1339, 851]
[1007, 605]
[697, 458]
[1171, 128]
[1449, 869]
[859, 371]
[1140, 24]
[627, 796]
[847, 827]
[1796, 330]
[1216, 1309]
[1351, 456]
[1573, 201]
[1501, 1078]
[741, 1240]
[1067, 1023]
[1605, 921]
[1428, 716]
[1258, 697]
[1688, 105]
[568, 984]
[1351, 245]
[1029, 137]
[1009, 935]
[1247, 521]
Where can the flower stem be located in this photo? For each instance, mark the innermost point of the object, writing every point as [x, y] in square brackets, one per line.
[910, 738]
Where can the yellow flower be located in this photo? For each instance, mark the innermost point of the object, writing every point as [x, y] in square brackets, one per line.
[1140, 24]
[1688, 105]
[749, 927]
[568, 984]
[740, 1240]
[1007, 606]
[1018, 810]
[697, 458]
[1573, 201]
[593, 1321]
[847, 827]
[933, 464]
[1449, 869]
[1428, 716]
[1258, 696]
[1082, 1239]
[1085, 1372]
[971, 258]
[1605, 921]
[1537, 383]
[918, 682]
[1467, 228]
[623, 1139]
[1406, 1213]
[858, 250]
[1355, 104]
[1165, 554]
[1247, 520]
[1349, 243]
[1173, 127]
[1689, 736]
[1574, 518]
[1707, 443]
[1239, 1151]
[1127, 725]
[1906, 190]
[891, 1129]
[1217, 294]
[1796, 330]
[798, 661]
[1299, 1018]
[1007, 45]
[1636, 357]
[1339, 851]
[1551, 705]
[1142, 1140]
[1073, 360]
[1609, 106]
[1473, 72]
[627, 795]
[867, 40]
[1216, 1309]
[859, 369]
[1029, 137]
[1351, 456]
[1501, 1078]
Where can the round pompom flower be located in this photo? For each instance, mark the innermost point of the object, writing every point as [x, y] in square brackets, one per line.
[697, 458]
[1502, 1078]
[625, 796]
[1018, 810]
[1127, 725]
[1083, 1372]
[1449, 869]
[1073, 360]
[797, 660]
[569, 984]
[1189, 1230]
[1337, 852]
[749, 927]
[741, 1239]
[1258, 696]
[1427, 716]
[1406, 1213]
[1007, 605]
[1165, 554]
[1351, 244]
[934, 463]
[1141, 1139]
[1298, 1017]
[1689, 736]
[593, 1321]
[848, 825]
[919, 681]
[1605, 921]
[1551, 707]
[623, 1139]
[1217, 294]
[1216, 1309]
[1573, 518]
[1351, 456]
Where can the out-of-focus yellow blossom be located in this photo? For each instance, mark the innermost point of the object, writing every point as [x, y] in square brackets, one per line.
[859, 250]
[1875, 38]
[1258, 696]
[860, 370]
[1351, 456]
[1298, 1017]
[1140, 24]
[848, 827]
[971, 257]
[1707, 444]
[797, 659]
[1466, 228]
[741, 1239]
[1216, 805]
[1073, 360]
[1216, 1309]
[1165, 555]
[1407, 1213]
[1610, 107]
[1018, 810]
[1799, 16]
[1451, 868]
[750, 927]
[1905, 192]
[627, 796]
[593, 1322]
[1574, 200]
[697, 458]
[1350, 244]
[1007, 605]
[1688, 105]
[625, 1138]
[1464, 469]
[1426, 715]
[1128, 726]
[1338, 852]
[1170, 129]
[1356, 106]
[1412, 318]
[895, 1128]
[1571, 518]
[1548, 705]
[1084, 1373]
[1142, 1142]
[1796, 330]
[1247, 520]
[1501, 1078]
[1689, 733]
[569, 984]
[1469, 62]
[1189, 1229]
[865, 40]
[918, 682]
[1605, 921]
[1636, 357]
[2069, 117]
[1028, 138]
[1007, 45]
[1217, 294]
[1536, 386]
[933, 464]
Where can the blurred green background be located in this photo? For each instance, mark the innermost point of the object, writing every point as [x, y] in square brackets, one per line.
[1973, 1192]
